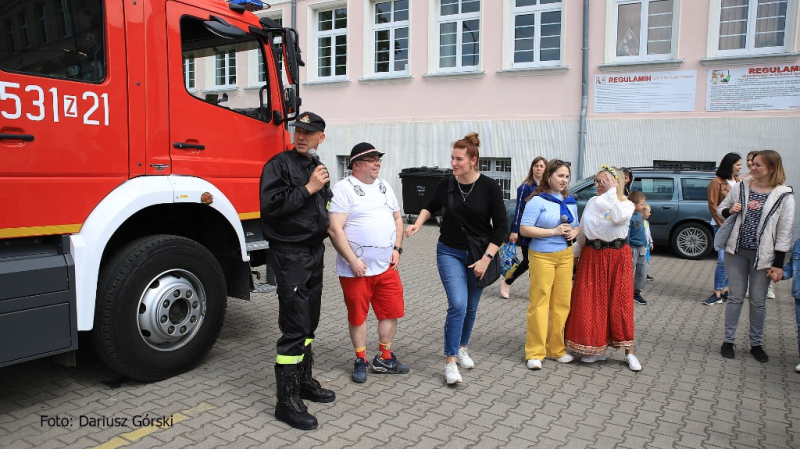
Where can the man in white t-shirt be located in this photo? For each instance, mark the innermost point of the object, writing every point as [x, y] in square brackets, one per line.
[366, 228]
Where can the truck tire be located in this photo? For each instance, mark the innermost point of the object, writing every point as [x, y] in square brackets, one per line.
[161, 303]
[692, 241]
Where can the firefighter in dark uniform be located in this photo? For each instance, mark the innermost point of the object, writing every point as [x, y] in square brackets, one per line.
[295, 193]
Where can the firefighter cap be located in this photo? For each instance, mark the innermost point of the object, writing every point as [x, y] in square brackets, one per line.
[310, 122]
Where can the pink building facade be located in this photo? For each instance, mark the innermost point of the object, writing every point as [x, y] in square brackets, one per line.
[668, 80]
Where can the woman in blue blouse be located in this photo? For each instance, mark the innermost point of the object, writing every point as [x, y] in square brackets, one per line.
[523, 193]
[551, 221]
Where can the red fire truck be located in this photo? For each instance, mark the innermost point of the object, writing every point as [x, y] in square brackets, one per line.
[132, 138]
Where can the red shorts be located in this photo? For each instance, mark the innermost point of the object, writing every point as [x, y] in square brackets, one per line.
[383, 291]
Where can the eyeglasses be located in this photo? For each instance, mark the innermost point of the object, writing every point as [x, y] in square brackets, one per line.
[560, 162]
[372, 160]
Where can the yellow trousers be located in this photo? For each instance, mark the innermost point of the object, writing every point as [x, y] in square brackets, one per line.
[549, 294]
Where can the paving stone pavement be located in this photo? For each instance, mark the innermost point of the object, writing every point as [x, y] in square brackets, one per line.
[687, 395]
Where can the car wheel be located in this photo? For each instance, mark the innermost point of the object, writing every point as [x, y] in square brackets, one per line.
[692, 241]
[160, 307]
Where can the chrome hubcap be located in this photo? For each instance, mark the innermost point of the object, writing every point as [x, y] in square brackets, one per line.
[171, 310]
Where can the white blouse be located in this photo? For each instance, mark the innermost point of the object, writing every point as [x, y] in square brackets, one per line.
[605, 218]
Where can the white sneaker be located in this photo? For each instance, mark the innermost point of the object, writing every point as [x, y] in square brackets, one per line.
[633, 362]
[770, 293]
[797, 368]
[593, 358]
[566, 358]
[534, 364]
[451, 374]
[464, 359]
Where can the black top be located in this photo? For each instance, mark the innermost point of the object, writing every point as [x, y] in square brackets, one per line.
[483, 212]
[289, 214]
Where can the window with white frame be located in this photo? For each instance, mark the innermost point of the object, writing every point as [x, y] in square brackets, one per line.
[343, 162]
[537, 32]
[752, 26]
[459, 34]
[189, 72]
[390, 31]
[256, 68]
[225, 69]
[332, 43]
[499, 169]
[262, 68]
[644, 29]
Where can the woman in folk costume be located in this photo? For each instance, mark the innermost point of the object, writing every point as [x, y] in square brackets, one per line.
[601, 313]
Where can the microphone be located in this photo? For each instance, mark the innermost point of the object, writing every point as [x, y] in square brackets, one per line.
[315, 158]
[565, 219]
[312, 152]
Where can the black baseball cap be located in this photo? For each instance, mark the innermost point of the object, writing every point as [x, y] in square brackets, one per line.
[361, 151]
[310, 122]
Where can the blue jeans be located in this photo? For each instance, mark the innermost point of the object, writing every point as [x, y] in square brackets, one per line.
[720, 275]
[462, 296]
[797, 317]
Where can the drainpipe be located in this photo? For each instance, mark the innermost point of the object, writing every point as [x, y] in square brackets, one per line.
[584, 91]
[294, 14]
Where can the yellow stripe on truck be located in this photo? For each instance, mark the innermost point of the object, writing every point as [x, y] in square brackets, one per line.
[250, 216]
[40, 230]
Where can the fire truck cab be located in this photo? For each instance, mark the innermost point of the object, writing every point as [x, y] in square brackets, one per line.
[132, 139]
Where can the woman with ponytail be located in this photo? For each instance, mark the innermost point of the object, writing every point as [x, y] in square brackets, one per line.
[477, 209]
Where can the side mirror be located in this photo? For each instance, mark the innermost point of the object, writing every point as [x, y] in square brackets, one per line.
[292, 102]
[270, 25]
[291, 53]
[222, 28]
[292, 62]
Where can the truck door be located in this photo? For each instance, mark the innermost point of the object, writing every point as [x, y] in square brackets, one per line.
[218, 131]
[63, 113]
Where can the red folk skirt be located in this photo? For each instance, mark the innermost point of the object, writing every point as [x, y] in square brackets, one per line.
[601, 311]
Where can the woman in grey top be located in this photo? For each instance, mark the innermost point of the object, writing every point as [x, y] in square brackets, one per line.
[754, 252]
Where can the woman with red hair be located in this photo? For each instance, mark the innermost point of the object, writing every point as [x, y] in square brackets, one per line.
[474, 205]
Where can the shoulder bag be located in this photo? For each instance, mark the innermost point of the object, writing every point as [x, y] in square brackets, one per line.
[477, 245]
[725, 229]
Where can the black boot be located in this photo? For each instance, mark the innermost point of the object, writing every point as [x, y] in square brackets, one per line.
[289, 408]
[310, 389]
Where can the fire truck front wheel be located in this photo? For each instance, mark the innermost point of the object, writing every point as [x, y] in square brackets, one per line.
[160, 307]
